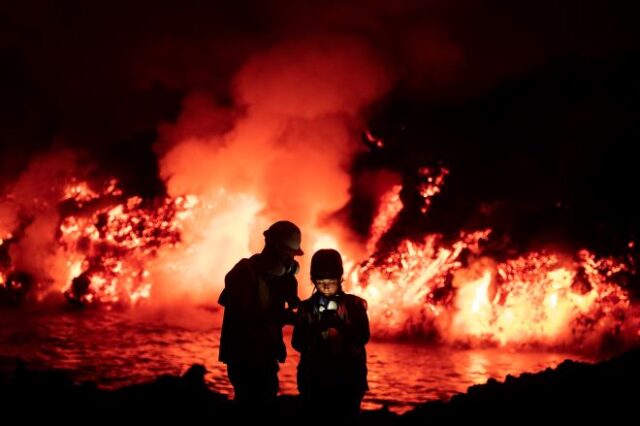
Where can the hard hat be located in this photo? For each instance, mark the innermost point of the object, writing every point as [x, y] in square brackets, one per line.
[286, 236]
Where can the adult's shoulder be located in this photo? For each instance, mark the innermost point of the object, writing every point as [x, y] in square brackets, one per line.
[244, 268]
[235, 283]
[250, 263]
[244, 263]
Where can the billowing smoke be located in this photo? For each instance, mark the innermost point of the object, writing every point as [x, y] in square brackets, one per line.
[282, 150]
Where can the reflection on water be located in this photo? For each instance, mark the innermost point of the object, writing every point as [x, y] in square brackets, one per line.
[116, 349]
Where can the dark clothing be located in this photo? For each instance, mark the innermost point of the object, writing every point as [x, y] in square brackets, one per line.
[332, 373]
[254, 385]
[251, 342]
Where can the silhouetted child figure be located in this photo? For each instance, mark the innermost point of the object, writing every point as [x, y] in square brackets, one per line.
[330, 333]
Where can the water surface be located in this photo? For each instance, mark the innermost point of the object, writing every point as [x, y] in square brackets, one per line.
[121, 348]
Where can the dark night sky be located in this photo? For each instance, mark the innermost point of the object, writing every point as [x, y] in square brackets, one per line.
[533, 105]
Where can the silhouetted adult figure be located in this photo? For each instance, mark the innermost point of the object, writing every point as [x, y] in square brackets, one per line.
[259, 296]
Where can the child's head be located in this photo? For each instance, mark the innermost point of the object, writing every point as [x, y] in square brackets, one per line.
[326, 271]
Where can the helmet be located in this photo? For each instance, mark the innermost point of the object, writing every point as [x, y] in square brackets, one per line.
[284, 235]
[326, 263]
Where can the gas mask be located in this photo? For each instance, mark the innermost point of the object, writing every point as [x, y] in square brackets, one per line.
[280, 263]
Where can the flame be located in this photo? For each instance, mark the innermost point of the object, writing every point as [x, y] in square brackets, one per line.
[540, 298]
[398, 286]
[445, 290]
[111, 249]
[450, 292]
[537, 299]
[110, 240]
[215, 233]
[390, 207]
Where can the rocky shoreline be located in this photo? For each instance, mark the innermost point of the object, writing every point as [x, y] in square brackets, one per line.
[573, 391]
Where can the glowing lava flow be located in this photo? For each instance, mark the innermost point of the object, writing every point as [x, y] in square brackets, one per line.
[120, 250]
[108, 241]
[450, 292]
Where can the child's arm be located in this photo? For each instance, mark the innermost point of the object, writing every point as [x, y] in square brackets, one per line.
[356, 327]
